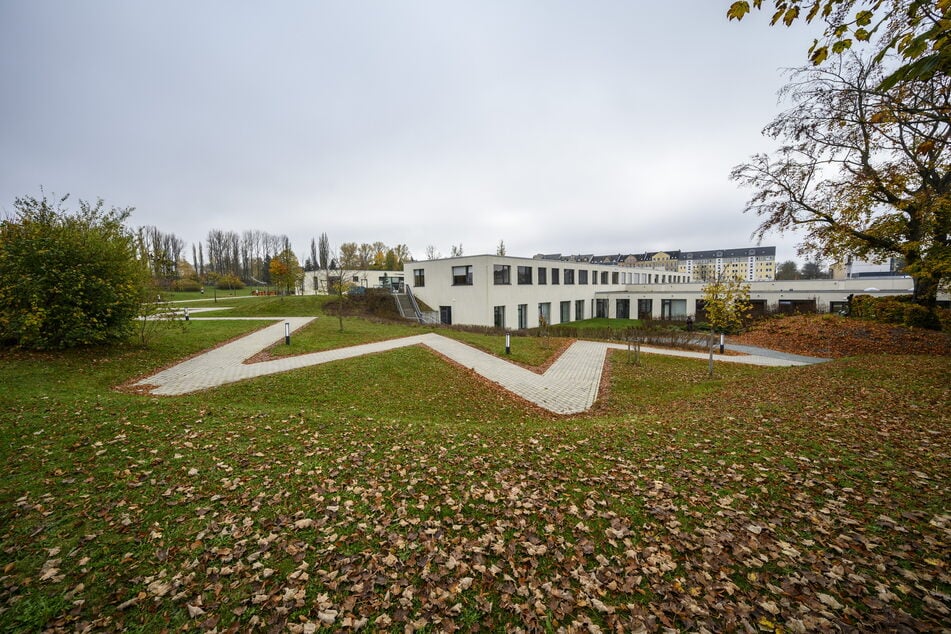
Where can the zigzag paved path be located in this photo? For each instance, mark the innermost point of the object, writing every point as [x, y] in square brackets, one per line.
[569, 386]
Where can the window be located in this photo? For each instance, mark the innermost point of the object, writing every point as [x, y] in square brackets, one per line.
[645, 308]
[499, 317]
[502, 274]
[623, 308]
[582, 277]
[544, 313]
[604, 277]
[614, 277]
[579, 309]
[601, 308]
[569, 276]
[565, 312]
[542, 275]
[554, 275]
[461, 276]
[522, 316]
[524, 275]
[419, 278]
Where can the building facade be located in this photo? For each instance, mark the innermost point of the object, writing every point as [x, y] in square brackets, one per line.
[752, 264]
[316, 282]
[516, 293]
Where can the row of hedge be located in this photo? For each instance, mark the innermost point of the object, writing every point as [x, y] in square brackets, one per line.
[224, 283]
[899, 309]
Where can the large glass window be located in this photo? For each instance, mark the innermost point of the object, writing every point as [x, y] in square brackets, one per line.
[601, 308]
[614, 278]
[544, 313]
[499, 317]
[582, 277]
[604, 277]
[569, 276]
[524, 275]
[542, 275]
[462, 276]
[554, 275]
[419, 278]
[502, 274]
[522, 316]
[565, 312]
[579, 309]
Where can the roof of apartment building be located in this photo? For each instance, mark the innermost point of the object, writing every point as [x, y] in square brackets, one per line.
[647, 256]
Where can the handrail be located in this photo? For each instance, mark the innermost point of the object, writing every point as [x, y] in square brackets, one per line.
[412, 299]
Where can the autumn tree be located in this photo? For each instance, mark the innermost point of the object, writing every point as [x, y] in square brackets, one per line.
[788, 270]
[285, 270]
[813, 271]
[68, 278]
[348, 256]
[323, 252]
[726, 302]
[917, 32]
[861, 170]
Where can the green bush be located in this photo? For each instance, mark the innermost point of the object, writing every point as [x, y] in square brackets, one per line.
[186, 285]
[229, 282]
[898, 309]
[67, 279]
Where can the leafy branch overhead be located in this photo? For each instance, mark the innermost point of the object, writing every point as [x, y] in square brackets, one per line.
[917, 30]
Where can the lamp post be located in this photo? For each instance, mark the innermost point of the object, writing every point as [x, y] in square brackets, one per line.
[287, 333]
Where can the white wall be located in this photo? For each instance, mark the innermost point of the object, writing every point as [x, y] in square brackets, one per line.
[475, 304]
[365, 278]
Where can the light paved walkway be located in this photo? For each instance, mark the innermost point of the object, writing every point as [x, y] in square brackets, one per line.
[569, 386]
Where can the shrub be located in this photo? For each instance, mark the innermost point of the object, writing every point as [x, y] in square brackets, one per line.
[186, 285]
[229, 282]
[894, 310]
[67, 279]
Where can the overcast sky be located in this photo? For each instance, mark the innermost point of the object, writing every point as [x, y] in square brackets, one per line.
[572, 127]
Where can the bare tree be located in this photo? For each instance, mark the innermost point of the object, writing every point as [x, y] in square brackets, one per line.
[862, 170]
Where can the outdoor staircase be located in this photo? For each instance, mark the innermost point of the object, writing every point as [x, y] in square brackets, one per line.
[409, 309]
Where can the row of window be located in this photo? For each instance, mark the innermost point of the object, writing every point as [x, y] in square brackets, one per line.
[544, 312]
[525, 275]
[670, 309]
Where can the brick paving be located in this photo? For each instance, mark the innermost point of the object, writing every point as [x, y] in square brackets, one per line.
[569, 386]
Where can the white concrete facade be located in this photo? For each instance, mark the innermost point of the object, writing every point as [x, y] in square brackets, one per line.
[315, 282]
[513, 293]
[510, 292]
[680, 300]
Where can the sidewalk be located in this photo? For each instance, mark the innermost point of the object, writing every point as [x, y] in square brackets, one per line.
[569, 386]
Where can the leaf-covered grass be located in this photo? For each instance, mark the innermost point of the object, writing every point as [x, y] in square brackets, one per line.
[600, 323]
[398, 489]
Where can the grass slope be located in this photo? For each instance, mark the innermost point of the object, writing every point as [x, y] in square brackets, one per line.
[396, 491]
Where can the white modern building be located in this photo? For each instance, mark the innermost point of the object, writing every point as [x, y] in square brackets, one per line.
[516, 293]
[315, 282]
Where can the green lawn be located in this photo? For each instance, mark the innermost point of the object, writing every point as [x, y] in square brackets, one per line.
[397, 489]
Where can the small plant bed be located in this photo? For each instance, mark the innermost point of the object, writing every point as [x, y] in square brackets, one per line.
[834, 336]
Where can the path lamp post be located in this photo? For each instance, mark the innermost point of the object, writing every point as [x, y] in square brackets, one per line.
[287, 333]
[508, 343]
[186, 313]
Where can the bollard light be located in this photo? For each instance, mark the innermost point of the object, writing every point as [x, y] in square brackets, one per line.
[287, 333]
[186, 313]
[721, 343]
[508, 343]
